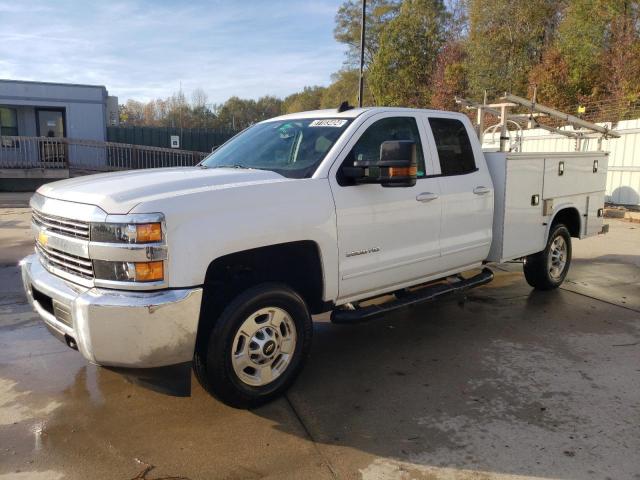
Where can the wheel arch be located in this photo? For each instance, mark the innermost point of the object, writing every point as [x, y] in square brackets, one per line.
[569, 216]
[297, 264]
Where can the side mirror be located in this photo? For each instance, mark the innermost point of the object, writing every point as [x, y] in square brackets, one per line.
[397, 166]
[398, 163]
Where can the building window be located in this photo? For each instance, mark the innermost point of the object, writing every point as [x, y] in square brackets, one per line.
[8, 122]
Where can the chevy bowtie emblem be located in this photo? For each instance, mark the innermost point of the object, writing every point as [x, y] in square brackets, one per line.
[43, 238]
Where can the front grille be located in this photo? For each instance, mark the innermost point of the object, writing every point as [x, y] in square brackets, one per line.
[73, 264]
[62, 226]
[56, 308]
[45, 301]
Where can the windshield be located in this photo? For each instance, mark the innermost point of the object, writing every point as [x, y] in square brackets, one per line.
[292, 148]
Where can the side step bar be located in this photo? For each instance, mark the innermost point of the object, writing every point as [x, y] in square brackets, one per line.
[425, 294]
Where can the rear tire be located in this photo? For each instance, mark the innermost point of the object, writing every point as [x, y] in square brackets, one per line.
[257, 346]
[547, 270]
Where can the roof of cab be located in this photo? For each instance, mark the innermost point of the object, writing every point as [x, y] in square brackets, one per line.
[352, 113]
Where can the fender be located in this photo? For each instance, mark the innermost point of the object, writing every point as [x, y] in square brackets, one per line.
[203, 225]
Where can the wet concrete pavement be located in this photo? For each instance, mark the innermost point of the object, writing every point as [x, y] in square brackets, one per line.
[503, 384]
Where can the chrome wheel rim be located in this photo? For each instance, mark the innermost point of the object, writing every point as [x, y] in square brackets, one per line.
[557, 257]
[263, 346]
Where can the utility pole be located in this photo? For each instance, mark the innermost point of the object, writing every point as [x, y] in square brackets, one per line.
[362, 30]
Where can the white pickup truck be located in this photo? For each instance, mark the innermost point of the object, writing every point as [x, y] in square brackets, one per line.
[223, 264]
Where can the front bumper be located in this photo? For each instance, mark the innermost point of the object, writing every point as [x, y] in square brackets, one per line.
[114, 327]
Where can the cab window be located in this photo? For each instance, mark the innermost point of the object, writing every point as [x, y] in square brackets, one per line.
[453, 145]
[368, 145]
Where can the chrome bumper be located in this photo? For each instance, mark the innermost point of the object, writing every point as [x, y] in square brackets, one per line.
[116, 328]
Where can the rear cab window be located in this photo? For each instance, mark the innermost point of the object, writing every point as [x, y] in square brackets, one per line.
[455, 152]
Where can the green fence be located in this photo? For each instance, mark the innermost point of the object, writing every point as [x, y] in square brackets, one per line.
[195, 139]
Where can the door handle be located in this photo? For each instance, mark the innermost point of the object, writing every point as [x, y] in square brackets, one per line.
[426, 197]
[481, 190]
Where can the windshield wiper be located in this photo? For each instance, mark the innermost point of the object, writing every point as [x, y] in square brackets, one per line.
[243, 167]
[236, 165]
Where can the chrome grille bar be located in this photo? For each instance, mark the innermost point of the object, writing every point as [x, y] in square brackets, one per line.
[73, 228]
[67, 257]
[79, 266]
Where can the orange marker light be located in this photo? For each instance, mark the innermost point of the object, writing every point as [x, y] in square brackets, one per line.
[403, 171]
[149, 271]
[148, 232]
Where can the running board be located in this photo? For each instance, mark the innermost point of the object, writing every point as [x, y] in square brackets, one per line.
[425, 294]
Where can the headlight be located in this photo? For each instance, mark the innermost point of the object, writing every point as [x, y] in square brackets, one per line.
[126, 232]
[129, 271]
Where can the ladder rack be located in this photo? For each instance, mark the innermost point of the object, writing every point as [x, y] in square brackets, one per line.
[536, 110]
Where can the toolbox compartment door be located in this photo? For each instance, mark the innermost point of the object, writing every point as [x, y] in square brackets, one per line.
[574, 174]
[518, 224]
[593, 222]
[523, 221]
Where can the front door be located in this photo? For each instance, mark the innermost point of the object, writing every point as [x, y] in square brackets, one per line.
[387, 237]
[50, 124]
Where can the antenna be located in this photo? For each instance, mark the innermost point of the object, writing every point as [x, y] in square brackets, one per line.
[362, 30]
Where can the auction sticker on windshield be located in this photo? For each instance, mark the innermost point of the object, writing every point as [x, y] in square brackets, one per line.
[328, 122]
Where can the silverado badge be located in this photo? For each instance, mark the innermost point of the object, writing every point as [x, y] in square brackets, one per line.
[363, 252]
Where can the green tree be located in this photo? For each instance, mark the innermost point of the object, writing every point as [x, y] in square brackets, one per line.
[344, 87]
[310, 98]
[239, 113]
[236, 114]
[581, 41]
[405, 61]
[268, 107]
[348, 23]
[506, 39]
[594, 59]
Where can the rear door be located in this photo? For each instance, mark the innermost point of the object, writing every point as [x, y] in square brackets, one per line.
[387, 237]
[466, 191]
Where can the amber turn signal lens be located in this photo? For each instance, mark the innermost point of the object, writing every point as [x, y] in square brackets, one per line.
[403, 171]
[149, 271]
[148, 232]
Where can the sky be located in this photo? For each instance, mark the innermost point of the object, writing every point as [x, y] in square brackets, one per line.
[147, 49]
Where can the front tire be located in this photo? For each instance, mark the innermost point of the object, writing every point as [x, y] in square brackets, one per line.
[547, 270]
[257, 346]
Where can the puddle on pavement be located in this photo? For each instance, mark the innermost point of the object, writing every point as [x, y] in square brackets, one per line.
[58, 413]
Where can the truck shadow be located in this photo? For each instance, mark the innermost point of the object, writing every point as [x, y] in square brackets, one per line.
[485, 384]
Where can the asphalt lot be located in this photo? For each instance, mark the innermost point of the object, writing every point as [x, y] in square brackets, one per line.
[503, 384]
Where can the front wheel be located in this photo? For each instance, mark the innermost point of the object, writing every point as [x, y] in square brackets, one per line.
[547, 270]
[257, 346]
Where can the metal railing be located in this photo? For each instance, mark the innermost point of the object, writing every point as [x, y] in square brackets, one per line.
[47, 152]
[32, 152]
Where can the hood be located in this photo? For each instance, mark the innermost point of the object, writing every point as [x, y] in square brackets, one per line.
[119, 192]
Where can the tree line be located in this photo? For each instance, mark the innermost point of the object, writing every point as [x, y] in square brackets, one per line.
[423, 53]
